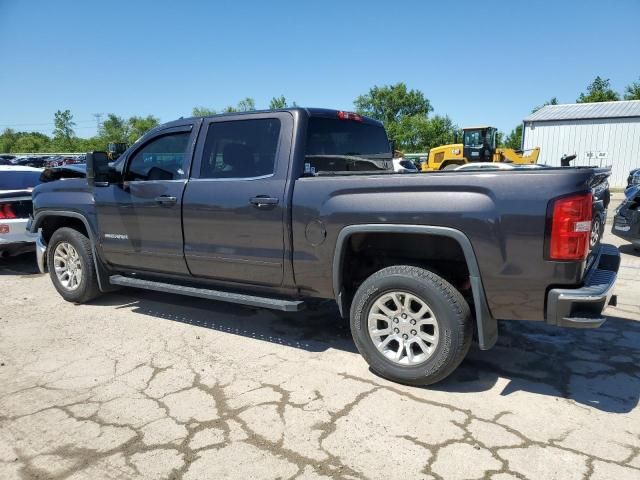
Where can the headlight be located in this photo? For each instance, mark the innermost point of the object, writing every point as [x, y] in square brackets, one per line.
[635, 179]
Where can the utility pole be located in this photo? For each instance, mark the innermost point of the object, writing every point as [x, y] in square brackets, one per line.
[98, 117]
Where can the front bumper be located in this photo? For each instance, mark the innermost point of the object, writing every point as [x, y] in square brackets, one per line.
[582, 307]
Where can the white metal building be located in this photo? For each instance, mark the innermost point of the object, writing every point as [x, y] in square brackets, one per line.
[602, 134]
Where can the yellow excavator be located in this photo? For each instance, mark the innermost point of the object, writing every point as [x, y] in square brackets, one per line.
[478, 145]
[115, 149]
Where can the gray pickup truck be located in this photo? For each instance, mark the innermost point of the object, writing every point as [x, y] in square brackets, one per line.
[271, 209]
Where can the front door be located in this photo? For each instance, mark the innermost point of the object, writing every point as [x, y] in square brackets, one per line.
[234, 204]
[139, 220]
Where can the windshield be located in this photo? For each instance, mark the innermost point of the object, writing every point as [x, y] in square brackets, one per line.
[472, 138]
[19, 180]
[478, 138]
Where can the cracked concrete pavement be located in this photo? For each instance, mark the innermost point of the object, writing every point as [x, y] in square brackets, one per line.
[146, 385]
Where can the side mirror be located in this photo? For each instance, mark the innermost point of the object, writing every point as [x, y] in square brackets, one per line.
[99, 172]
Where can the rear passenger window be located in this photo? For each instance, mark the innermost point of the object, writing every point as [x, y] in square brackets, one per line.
[240, 148]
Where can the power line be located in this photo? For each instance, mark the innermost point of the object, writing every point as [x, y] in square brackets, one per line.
[39, 124]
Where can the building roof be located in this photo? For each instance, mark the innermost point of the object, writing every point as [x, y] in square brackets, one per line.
[582, 111]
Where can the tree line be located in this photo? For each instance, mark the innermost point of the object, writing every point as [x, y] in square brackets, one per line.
[405, 113]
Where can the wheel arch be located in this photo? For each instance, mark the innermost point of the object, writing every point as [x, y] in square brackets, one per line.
[487, 326]
[44, 215]
[70, 218]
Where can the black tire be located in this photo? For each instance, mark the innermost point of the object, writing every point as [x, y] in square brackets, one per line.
[447, 304]
[87, 288]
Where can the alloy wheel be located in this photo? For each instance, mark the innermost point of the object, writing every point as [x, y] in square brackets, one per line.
[67, 265]
[403, 328]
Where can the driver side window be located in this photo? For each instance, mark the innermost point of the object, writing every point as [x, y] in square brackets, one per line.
[160, 159]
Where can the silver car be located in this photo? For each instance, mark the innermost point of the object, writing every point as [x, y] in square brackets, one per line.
[16, 183]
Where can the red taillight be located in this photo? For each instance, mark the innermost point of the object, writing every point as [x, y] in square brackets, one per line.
[6, 211]
[570, 227]
[349, 116]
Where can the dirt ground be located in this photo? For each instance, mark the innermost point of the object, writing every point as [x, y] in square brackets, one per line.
[147, 385]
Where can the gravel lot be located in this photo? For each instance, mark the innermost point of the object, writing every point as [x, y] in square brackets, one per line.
[145, 385]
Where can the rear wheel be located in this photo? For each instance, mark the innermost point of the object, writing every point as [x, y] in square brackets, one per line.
[71, 267]
[596, 231]
[410, 325]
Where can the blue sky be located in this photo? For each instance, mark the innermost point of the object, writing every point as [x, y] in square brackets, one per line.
[477, 61]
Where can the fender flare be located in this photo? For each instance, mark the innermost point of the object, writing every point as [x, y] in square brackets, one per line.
[101, 271]
[42, 214]
[486, 323]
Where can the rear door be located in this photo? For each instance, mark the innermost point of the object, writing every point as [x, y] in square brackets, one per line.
[139, 220]
[234, 204]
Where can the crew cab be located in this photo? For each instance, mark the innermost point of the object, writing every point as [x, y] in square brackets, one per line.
[273, 208]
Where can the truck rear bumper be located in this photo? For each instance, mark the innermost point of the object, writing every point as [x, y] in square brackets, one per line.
[582, 307]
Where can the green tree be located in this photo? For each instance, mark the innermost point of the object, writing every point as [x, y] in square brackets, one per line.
[7, 140]
[114, 129]
[278, 102]
[202, 112]
[551, 101]
[391, 103]
[32, 142]
[404, 114]
[63, 132]
[632, 92]
[138, 126]
[599, 91]
[90, 144]
[514, 139]
[417, 133]
[440, 131]
[246, 105]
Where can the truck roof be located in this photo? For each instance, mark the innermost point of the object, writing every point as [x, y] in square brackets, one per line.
[310, 112]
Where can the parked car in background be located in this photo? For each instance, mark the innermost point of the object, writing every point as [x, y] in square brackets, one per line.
[403, 165]
[633, 178]
[36, 162]
[50, 174]
[626, 223]
[16, 183]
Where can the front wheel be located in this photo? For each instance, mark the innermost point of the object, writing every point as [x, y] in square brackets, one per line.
[71, 267]
[410, 325]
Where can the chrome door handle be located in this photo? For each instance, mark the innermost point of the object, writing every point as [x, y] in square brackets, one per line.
[166, 199]
[263, 201]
